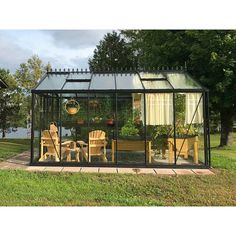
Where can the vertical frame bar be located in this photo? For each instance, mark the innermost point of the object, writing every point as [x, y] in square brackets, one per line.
[60, 115]
[40, 123]
[32, 128]
[116, 136]
[205, 130]
[88, 121]
[174, 120]
[145, 128]
[208, 129]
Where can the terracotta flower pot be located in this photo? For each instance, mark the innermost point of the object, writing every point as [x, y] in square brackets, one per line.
[80, 121]
[110, 122]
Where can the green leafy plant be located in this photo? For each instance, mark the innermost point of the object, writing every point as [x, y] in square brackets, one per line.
[129, 129]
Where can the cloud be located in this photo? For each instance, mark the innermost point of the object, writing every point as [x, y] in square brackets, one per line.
[77, 38]
[11, 54]
[62, 48]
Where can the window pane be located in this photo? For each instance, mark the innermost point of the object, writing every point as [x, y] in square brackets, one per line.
[162, 84]
[53, 82]
[100, 81]
[82, 76]
[76, 86]
[128, 81]
[145, 75]
[181, 81]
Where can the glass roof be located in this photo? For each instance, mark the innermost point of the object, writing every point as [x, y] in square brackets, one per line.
[128, 81]
[103, 82]
[85, 81]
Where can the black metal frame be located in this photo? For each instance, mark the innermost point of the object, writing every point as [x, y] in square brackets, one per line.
[115, 93]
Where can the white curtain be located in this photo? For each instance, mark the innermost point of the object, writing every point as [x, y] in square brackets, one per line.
[193, 104]
[159, 108]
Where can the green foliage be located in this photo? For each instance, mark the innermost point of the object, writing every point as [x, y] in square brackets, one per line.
[209, 54]
[27, 76]
[10, 102]
[112, 53]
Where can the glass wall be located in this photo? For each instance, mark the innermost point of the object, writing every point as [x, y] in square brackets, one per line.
[74, 127]
[120, 128]
[160, 127]
[46, 117]
[102, 130]
[130, 144]
[189, 129]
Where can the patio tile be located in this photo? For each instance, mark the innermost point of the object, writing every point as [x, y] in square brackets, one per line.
[108, 170]
[71, 169]
[53, 169]
[203, 172]
[35, 168]
[184, 172]
[9, 165]
[146, 171]
[126, 170]
[89, 169]
[165, 171]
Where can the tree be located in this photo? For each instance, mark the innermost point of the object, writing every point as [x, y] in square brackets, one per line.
[213, 60]
[10, 102]
[210, 56]
[112, 53]
[27, 76]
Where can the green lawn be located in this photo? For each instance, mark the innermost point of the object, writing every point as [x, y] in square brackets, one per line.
[11, 147]
[82, 189]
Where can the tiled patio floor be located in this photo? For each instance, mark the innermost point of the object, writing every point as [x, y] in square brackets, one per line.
[21, 161]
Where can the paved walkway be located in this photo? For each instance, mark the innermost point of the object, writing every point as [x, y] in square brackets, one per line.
[21, 161]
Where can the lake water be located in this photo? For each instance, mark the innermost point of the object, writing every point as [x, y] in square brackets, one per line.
[26, 133]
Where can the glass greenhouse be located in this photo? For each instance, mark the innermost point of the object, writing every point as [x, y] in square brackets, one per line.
[136, 119]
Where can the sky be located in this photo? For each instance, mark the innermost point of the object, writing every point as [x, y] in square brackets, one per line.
[62, 48]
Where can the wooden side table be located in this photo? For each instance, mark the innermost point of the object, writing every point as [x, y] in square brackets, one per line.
[132, 145]
[68, 147]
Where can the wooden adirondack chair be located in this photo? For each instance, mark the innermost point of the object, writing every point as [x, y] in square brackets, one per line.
[50, 141]
[96, 145]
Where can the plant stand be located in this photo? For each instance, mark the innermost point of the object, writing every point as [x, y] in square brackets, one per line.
[132, 145]
[186, 144]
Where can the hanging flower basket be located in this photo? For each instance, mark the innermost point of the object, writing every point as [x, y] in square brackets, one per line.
[72, 107]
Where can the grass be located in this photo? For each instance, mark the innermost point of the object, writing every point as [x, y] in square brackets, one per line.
[11, 147]
[83, 189]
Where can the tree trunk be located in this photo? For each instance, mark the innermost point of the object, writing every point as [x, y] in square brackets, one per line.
[226, 117]
[3, 133]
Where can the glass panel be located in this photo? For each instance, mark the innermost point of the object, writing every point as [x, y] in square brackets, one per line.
[53, 82]
[131, 139]
[47, 120]
[189, 129]
[159, 125]
[74, 129]
[76, 86]
[182, 81]
[100, 81]
[146, 75]
[36, 126]
[102, 129]
[77, 76]
[162, 84]
[128, 81]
